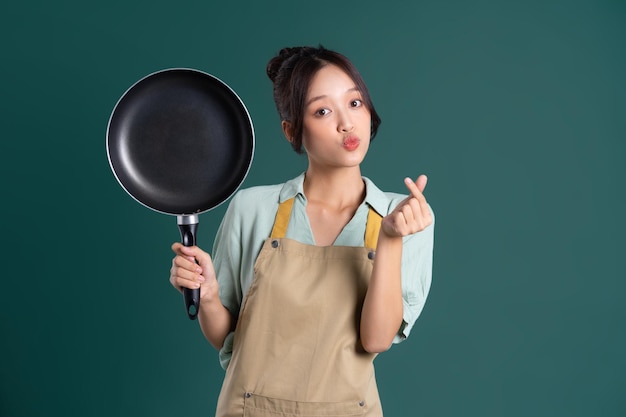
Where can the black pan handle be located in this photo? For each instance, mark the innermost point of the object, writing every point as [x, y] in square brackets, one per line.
[188, 226]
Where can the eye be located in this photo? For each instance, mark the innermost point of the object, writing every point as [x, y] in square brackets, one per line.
[356, 103]
[322, 112]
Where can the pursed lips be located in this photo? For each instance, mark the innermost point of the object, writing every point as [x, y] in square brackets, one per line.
[350, 143]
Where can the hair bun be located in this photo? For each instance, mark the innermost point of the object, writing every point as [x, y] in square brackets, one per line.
[284, 56]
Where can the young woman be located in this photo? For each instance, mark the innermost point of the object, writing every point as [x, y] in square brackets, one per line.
[312, 278]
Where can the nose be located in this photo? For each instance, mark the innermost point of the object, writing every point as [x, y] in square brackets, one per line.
[344, 122]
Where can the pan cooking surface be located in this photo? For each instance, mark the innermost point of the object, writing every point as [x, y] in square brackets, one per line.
[180, 141]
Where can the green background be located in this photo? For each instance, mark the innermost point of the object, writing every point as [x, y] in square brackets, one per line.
[515, 109]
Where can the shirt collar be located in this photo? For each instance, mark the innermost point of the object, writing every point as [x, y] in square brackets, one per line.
[374, 197]
[292, 187]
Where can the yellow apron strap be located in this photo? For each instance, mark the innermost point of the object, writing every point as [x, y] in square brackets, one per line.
[284, 213]
[282, 219]
[372, 228]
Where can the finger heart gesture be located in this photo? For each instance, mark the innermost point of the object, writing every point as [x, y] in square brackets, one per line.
[412, 215]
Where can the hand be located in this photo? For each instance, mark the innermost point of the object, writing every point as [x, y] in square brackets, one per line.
[412, 215]
[193, 268]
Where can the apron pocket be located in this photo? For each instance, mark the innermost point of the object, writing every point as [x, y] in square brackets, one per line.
[259, 406]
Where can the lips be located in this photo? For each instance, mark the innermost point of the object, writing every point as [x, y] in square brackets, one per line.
[351, 143]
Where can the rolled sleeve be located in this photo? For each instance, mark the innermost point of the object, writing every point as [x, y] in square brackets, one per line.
[227, 254]
[417, 261]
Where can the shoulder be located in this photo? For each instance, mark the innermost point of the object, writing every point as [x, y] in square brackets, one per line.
[248, 218]
[248, 204]
[257, 194]
[266, 197]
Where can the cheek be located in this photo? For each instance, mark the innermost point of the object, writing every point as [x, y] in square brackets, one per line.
[365, 120]
[311, 132]
[306, 140]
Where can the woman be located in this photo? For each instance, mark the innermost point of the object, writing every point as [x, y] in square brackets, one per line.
[312, 278]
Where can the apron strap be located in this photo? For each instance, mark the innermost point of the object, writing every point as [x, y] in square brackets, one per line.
[282, 219]
[284, 213]
[372, 228]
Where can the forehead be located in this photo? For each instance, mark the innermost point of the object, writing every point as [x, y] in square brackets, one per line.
[330, 79]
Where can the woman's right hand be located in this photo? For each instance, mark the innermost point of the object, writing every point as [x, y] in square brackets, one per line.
[193, 268]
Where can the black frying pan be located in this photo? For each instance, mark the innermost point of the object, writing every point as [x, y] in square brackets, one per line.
[180, 142]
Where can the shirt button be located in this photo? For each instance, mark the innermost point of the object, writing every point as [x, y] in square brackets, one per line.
[274, 243]
[361, 403]
[248, 395]
[371, 255]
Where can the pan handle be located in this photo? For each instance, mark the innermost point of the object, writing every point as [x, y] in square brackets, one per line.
[188, 226]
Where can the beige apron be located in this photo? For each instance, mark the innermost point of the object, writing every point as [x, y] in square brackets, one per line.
[296, 348]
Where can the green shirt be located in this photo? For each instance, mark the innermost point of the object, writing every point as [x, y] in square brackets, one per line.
[248, 222]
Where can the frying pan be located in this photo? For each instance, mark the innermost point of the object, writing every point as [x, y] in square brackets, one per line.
[180, 142]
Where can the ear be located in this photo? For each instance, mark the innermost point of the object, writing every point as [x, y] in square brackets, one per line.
[287, 130]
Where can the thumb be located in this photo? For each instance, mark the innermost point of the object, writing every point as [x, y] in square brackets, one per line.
[203, 259]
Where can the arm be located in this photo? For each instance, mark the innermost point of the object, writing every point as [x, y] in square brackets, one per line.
[382, 312]
[215, 320]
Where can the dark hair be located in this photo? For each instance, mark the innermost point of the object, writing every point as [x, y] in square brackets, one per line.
[291, 72]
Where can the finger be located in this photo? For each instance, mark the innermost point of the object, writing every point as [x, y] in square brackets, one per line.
[183, 262]
[427, 215]
[203, 259]
[182, 277]
[417, 194]
[421, 182]
[420, 219]
[180, 283]
[416, 209]
[419, 216]
[413, 188]
[181, 249]
[408, 212]
[193, 253]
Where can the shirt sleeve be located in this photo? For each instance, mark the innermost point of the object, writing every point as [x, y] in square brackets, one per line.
[417, 263]
[227, 257]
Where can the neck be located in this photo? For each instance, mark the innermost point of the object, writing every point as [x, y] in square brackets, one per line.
[337, 188]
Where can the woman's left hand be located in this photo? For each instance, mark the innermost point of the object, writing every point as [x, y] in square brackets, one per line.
[412, 215]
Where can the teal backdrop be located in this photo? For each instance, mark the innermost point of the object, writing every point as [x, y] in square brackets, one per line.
[516, 110]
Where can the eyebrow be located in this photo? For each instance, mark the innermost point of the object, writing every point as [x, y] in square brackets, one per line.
[324, 96]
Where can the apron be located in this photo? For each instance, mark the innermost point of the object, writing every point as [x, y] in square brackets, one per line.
[296, 349]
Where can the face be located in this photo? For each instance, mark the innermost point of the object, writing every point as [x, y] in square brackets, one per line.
[336, 123]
